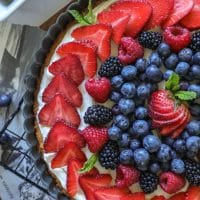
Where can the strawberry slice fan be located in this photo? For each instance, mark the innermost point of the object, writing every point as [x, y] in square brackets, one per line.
[103, 109]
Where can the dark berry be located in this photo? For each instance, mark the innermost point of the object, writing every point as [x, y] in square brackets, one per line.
[109, 155]
[155, 59]
[116, 82]
[185, 55]
[195, 71]
[151, 143]
[141, 113]
[154, 73]
[129, 72]
[122, 122]
[126, 156]
[182, 68]
[115, 96]
[111, 67]
[141, 157]
[195, 42]
[126, 106]
[114, 133]
[196, 58]
[177, 166]
[195, 88]
[179, 146]
[140, 127]
[164, 50]
[135, 144]
[143, 91]
[193, 144]
[5, 100]
[164, 153]
[195, 110]
[141, 64]
[150, 39]
[193, 127]
[124, 142]
[98, 115]
[167, 74]
[154, 167]
[115, 110]
[171, 61]
[128, 90]
[184, 85]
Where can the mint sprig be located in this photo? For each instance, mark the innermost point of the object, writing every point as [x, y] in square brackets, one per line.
[89, 164]
[87, 19]
[173, 84]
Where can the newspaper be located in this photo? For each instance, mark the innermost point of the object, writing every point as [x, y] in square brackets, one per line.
[19, 178]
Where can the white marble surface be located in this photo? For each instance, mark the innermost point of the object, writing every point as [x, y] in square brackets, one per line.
[35, 12]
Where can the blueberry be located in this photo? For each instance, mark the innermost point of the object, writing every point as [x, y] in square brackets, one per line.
[142, 167]
[126, 106]
[193, 127]
[154, 73]
[141, 64]
[143, 77]
[185, 55]
[165, 166]
[115, 96]
[151, 143]
[141, 113]
[5, 100]
[195, 88]
[182, 68]
[152, 86]
[167, 74]
[193, 144]
[169, 141]
[140, 127]
[196, 58]
[195, 110]
[135, 144]
[128, 90]
[184, 85]
[195, 71]
[174, 154]
[141, 157]
[179, 146]
[143, 91]
[115, 110]
[164, 50]
[171, 61]
[129, 72]
[114, 133]
[117, 81]
[177, 166]
[185, 135]
[154, 167]
[125, 140]
[121, 121]
[155, 59]
[126, 156]
[164, 153]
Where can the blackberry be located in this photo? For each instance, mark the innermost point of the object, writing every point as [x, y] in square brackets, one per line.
[195, 41]
[98, 115]
[110, 67]
[150, 39]
[192, 172]
[148, 182]
[109, 155]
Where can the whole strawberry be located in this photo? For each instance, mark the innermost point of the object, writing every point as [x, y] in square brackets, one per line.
[129, 50]
[95, 137]
[126, 176]
[171, 182]
[99, 89]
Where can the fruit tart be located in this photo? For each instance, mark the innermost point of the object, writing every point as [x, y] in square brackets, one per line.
[117, 105]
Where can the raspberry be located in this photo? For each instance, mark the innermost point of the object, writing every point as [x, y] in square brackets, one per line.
[171, 182]
[129, 50]
[177, 37]
[126, 176]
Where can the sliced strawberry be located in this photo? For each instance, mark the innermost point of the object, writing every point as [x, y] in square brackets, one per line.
[179, 196]
[85, 53]
[112, 193]
[59, 135]
[118, 20]
[70, 151]
[193, 193]
[134, 196]
[71, 66]
[100, 34]
[192, 20]
[172, 122]
[180, 10]
[160, 109]
[180, 129]
[161, 10]
[58, 109]
[73, 174]
[140, 12]
[175, 125]
[64, 86]
[91, 183]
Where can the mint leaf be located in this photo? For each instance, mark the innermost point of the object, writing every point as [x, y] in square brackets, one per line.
[78, 16]
[89, 17]
[89, 164]
[175, 88]
[172, 82]
[186, 95]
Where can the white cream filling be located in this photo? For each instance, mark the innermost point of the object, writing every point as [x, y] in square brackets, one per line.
[61, 173]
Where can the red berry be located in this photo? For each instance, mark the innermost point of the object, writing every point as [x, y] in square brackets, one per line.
[171, 182]
[126, 176]
[179, 196]
[134, 196]
[129, 50]
[177, 37]
[95, 137]
[193, 193]
[99, 89]
[158, 198]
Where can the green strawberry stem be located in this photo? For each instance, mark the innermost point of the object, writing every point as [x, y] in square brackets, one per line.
[172, 84]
